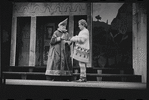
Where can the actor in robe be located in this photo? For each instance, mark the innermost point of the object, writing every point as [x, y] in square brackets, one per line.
[59, 61]
[81, 49]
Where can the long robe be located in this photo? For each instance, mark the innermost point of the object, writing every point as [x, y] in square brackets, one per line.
[59, 61]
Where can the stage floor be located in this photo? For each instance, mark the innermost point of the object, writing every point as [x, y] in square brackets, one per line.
[94, 84]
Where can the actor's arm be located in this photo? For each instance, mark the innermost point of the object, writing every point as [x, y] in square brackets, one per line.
[79, 39]
[55, 38]
[67, 40]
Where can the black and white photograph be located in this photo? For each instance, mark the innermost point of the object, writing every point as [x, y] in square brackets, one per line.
[73, 50]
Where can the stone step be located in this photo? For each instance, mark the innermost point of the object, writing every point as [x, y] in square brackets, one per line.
[43, 67]
[75, 69]
[90, 76]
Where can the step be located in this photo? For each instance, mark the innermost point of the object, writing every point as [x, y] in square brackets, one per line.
[75, 69]
[107, 75]
[43, 67]
[107, 70]
[25, 68]
[120, 77]
[76, 74]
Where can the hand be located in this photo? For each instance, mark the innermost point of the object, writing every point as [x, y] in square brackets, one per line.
[58, 38]
[73, 39]
[63, 37]
[69, 42]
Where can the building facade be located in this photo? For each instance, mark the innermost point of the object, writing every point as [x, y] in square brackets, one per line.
[33, 25]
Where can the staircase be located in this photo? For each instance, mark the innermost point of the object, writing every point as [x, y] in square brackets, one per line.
[122, 74]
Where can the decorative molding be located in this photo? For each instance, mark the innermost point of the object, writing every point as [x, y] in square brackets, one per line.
[49, 9]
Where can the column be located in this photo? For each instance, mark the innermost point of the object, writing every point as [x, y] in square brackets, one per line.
[89, 22]
[71, 30]
[13, 41]
[32, 42]
[140, 40]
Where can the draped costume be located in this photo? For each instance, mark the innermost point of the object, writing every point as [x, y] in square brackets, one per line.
[59, 61]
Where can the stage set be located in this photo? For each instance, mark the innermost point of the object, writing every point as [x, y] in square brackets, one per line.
[117, 36]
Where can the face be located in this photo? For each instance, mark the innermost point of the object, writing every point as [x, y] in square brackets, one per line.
[62, 27]
[81, 26]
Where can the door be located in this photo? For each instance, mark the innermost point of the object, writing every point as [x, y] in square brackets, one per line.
[45, 29]
[76, 32]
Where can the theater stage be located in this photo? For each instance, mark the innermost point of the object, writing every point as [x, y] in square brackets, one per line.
[92, 84]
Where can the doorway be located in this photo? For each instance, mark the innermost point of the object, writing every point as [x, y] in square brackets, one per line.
[76, 32]
[46, 25]
[23, 41]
